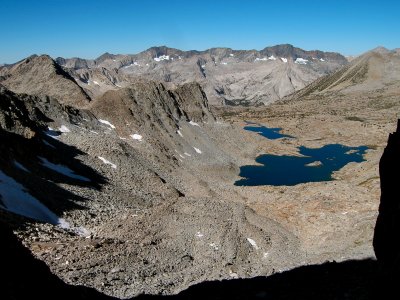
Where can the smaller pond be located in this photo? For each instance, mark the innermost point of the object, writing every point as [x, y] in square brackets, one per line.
[315, 165]
[269, 133]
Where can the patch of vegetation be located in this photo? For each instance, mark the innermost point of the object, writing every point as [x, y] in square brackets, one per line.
[353, 118]
[369, 179]
[373, 147]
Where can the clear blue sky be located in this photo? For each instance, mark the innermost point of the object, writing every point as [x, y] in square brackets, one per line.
[89, 28]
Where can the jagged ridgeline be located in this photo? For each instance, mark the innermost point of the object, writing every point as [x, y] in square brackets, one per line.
[228, 76]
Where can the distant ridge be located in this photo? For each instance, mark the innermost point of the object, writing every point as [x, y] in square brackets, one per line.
[376, 69]
[228, 76]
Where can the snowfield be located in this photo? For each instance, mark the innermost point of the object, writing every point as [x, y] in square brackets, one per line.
[107, 123]
[62, 170]
[16, 199]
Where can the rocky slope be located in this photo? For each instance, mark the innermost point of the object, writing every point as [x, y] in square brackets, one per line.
[376, 70]
[129, 196]
[246, 77]
[40, 75]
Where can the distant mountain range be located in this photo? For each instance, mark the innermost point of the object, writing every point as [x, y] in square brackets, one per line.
[228, 77]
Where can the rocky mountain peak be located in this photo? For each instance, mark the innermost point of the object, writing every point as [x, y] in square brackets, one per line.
[224, 73]
[104, 57]
[41, 75]
[381, 50]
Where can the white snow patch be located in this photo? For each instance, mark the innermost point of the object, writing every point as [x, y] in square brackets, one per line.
[52, 133]
[193, 123]
[197, 150]
[301, 61]
[233, 274]
[187, 154]
[133, 64]
[179, 132]
[265, 255]
[162, 57]
[118, 85]
[214, 245]
[266, 58]
[321, 59]
[179, 57]
[95, 82]
[16, 199]
[93, 132]
[199, 234]
[20, 166]
[114, 166]
[284, 59]
[203, 66]
[231, 55]
[64, 129]
[179, 154]
[122, 138]
[62, 170]
[224, 63]
[253, 243]
[136, 136]
[107, 123]
[81, 231]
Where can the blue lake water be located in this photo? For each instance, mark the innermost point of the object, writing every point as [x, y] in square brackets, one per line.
[269, 133]
[314, 165]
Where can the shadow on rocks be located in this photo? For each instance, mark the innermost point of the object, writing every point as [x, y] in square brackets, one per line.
[28, 278]
[24, 277]
[387, 228]
[345, 280]
[21, 158]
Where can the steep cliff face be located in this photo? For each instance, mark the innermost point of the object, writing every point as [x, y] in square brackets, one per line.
[19, 114]
[387, 230]
[193, 100]
[152, 109]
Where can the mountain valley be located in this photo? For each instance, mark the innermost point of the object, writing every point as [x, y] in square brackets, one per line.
[136, 157]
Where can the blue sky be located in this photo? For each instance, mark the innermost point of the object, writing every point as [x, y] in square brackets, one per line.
[70, 28]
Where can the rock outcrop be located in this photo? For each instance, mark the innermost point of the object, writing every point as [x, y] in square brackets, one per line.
[387, 229]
